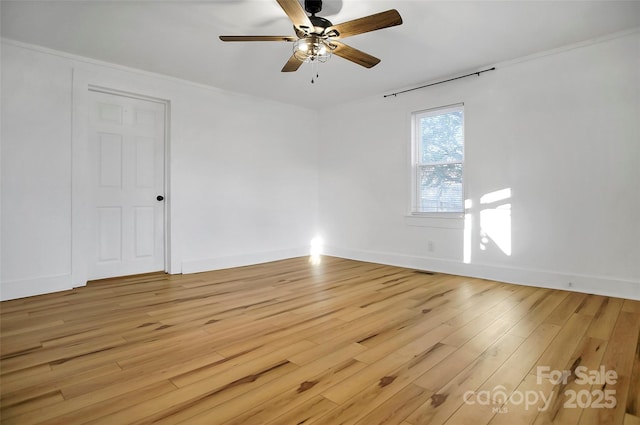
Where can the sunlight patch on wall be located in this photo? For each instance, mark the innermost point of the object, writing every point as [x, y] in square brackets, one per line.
[498, 195]
[495, 220]
[315, 250]
[468, 225]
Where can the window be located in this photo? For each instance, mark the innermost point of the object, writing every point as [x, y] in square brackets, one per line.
[438, 157]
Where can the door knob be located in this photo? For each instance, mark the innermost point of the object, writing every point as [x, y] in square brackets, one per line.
[160, 197]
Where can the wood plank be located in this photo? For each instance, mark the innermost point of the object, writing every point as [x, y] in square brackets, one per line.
[62, 354]
[288, 404]
[243, 365]
[588, 355]
[591, 305]
[238, 405]
[98, 410]
[363, 400]
[566, 308]
[508, 313]
[398, 407]
[201, 395]
[447, 399]
[36, 401]
[50, 382]
[631, 306]
[506, 378]
[557, 354]
[516, 411]
[538, 314]
[305, 413]
[631, 419]
[620, 356]
[81, 410]
[605, 318]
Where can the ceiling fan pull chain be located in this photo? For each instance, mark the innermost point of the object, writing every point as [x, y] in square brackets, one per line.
[314, 70]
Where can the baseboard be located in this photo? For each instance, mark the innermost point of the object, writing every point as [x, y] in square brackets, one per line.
[37, 286]
[598, 285]
[219, 263]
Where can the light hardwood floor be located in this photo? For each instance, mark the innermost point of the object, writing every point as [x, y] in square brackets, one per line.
[291, 343]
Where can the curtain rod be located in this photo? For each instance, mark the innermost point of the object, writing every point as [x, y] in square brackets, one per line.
[440, 82]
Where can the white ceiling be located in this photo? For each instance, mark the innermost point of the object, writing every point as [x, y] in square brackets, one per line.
[437, 39]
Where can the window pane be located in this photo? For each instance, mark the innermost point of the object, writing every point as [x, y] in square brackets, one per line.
[442, 137]
[440, 188]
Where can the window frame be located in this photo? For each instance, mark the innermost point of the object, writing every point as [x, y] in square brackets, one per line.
[416, 164]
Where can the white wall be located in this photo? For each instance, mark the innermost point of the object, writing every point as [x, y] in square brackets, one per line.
[242, 188]
[561, 131]
[36, 171]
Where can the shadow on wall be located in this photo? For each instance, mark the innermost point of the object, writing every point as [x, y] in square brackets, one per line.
[494, 224]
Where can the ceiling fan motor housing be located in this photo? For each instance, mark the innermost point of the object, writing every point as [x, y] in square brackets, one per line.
[313, 6]
[319, 25]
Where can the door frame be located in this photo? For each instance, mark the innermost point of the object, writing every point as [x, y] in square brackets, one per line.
[81, 227]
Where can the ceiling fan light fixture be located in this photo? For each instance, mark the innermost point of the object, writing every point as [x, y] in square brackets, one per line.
[312, 49]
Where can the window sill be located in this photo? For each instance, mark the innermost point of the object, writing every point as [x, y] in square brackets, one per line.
[442, 221]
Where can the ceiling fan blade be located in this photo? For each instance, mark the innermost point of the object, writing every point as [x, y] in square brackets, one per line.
[296, 13]
[258, 38]
[378, 21]
[292, 64]
[354, 55]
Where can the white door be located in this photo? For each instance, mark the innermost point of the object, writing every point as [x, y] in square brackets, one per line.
[126, 143]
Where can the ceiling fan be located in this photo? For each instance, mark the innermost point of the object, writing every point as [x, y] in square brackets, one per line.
[317, 38]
